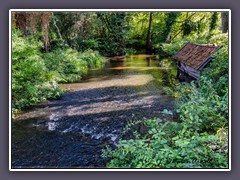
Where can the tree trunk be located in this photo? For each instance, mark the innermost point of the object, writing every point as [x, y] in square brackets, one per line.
[148, 42]
[32, 21]
[58, 31]
[21, 22]
[45, 18]
[224, 16]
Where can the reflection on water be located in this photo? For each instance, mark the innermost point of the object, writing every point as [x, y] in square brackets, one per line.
[163, 69]
[72, 131]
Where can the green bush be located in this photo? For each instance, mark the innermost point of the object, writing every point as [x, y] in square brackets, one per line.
[65, 65]
[206, 107]
[31, 82]
[35, 75]
[202, 109]
[69, 65]
[200, 140]
[92, 58]
[165, 146]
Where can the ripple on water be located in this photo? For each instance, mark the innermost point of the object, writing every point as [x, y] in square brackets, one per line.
[71, 131]
[52, 126]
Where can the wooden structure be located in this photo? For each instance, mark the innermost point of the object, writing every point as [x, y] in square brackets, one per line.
[192, 58]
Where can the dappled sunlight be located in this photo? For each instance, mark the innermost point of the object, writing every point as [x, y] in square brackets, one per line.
[116, 81]
[103, 89]
[94, 111]
[111, 105]
[140, 68]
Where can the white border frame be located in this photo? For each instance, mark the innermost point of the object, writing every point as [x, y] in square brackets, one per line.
[109, 10]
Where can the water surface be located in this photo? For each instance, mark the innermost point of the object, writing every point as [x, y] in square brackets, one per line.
[72, 131]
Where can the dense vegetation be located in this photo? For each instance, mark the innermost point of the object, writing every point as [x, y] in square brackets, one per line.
[31, 82]
[52, 48]
[200, 138]
[36, 73]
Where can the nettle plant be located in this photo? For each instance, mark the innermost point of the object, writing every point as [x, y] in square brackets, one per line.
[170, 145]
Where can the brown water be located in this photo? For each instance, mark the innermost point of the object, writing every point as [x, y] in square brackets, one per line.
[72, 131]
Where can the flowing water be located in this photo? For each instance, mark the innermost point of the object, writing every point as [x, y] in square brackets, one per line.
[72, 131]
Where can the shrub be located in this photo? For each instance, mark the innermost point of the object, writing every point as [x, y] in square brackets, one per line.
[206, 106]
[30, 80]
[65, 65]
[68, 65]
[34, 79]
[92, 58]
[173, 47]
[200, 140]
[202, 109]
[165, 146]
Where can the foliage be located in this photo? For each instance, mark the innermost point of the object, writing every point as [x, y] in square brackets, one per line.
[76, 29]
[165, 146]
[31, 82]
[27, 22]
[138, 28]
[205, 106]
[173, 47]
[170, 20]
[93, 58]
[177, 90]
[112, 32]
[202, 109]
[65, 65]
[200, 139]
[214, 19]
[218, 38]
[34, 79]
[69, 65]
[102, 31]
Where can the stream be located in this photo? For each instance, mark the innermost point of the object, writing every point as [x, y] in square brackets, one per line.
[72, 131]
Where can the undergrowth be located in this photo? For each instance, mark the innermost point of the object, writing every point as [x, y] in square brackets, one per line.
[35, 75]
[200, 139]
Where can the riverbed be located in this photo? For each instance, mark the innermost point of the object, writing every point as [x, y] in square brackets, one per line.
[71, 132]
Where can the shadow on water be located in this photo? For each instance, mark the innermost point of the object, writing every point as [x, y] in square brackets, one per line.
[72, 131]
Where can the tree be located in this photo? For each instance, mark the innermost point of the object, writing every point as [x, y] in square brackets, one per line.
[188, 26]
[148, 41]
[224, 16]
[21, 22]
[28, 21]
[113, 32]
[45, 18]
[32, 18]
[213, 23]
[170, 20]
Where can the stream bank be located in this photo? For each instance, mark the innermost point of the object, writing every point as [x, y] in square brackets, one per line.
[72, 131]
